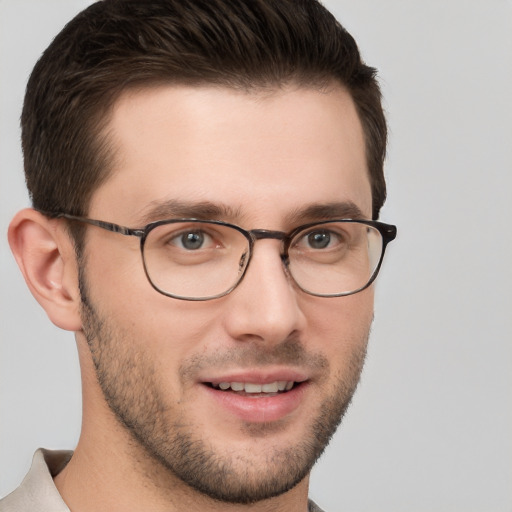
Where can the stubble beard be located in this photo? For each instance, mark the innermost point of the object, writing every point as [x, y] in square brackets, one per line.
[129, 383]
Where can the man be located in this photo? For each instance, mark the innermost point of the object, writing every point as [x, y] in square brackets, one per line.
[206, 180]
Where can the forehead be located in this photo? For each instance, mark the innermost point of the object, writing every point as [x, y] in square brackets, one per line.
[259, 155]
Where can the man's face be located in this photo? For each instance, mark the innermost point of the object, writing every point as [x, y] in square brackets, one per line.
[259, 160]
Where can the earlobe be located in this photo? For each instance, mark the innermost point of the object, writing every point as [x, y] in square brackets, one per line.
[46, 257]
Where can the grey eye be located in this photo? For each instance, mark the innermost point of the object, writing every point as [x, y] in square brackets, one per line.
[192, 240]
[319, 239]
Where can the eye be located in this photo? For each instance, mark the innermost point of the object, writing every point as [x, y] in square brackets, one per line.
[192, 240]
[319, 239]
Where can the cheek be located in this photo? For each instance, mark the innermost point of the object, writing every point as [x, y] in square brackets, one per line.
[340, 325]
[164, 330]
[168, 328]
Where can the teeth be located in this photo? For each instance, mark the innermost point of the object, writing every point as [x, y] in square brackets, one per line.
[249, 387]
[270, 388]
[253, 388]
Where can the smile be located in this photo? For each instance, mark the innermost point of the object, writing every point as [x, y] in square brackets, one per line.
[257, 400]
[249, 388]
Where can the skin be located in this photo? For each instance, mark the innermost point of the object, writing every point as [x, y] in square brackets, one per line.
[264, 157]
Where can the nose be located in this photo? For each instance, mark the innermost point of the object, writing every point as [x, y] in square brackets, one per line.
[265, 305]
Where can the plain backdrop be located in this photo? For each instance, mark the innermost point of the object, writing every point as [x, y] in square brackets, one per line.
[430, 428]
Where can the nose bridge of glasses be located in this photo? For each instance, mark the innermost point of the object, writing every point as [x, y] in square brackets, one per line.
[260, 234]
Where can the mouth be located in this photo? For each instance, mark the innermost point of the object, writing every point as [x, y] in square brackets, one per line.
[255, 389]
[256, 396]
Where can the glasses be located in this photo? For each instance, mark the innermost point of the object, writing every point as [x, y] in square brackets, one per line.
[191, 259]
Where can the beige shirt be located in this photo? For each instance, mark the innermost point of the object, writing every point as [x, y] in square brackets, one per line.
[37, 492]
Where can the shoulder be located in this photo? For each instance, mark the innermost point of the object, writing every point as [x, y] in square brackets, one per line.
[313, 507]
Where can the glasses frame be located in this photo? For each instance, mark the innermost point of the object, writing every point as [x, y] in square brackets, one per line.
[387, 231]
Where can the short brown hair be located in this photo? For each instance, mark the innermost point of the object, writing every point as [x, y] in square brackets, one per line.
[114, 45]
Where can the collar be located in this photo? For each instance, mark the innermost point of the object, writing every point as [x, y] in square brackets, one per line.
[37, 491]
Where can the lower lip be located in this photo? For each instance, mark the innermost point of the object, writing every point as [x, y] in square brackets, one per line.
[259, 409]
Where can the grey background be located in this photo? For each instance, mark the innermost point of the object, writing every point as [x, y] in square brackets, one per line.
[431, 424]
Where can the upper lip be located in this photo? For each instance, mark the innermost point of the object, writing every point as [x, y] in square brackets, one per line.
[258, 376]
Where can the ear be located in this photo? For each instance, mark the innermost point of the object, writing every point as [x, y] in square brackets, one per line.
[46, 256]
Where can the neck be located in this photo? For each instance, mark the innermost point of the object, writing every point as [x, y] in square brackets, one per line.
[102, 477]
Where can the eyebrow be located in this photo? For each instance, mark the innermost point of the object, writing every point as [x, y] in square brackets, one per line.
[206, 210]
[173, 208]
[325, 211]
